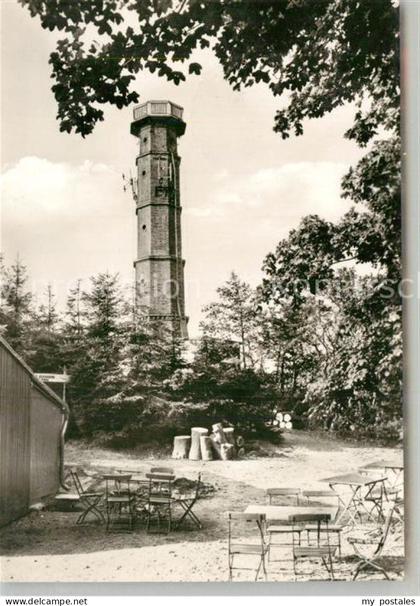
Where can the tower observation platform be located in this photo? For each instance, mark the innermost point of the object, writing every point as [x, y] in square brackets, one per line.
[159, 267]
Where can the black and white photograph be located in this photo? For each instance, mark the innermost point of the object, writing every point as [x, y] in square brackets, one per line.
[201, 352]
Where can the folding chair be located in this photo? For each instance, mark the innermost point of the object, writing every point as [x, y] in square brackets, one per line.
[323, 550]
[120, 502]
[397, 527]
[139, 486]
[376, 499]
[257, 548]
[376, 540]
[281, 496]
[159, 501]
[89, 500]
[312, 496]
[187, 504]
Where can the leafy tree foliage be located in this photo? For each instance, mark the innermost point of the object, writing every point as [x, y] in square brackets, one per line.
[322, 54]
[368, 233]
[355, 383]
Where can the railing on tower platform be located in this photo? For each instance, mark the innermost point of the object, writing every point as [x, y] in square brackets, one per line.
[157, 108]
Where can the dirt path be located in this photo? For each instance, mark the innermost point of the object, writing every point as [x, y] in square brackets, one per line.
[48, 546]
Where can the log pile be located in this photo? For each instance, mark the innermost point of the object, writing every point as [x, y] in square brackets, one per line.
[282, 420]
[220, 444]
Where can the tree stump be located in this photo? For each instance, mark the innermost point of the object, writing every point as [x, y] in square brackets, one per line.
[230, 438]
[240, 442]
[182, 446]
[206, 448]
[219, 433]
[215, 446]
[195, 450]
[229, 434]
[227, 451]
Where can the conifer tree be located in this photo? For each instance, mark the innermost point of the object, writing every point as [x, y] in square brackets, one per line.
[46, 337]
[233, 317]
[16, 307]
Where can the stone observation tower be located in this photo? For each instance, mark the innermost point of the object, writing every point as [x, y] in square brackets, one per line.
[159, 265]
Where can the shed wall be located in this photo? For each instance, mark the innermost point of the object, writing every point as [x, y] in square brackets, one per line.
[15, 393]
[45, 426]
[30, 436]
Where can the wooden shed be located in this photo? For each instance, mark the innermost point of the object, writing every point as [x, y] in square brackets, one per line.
[33, 420]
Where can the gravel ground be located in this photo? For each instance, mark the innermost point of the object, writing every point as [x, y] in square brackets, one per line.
[48, 546]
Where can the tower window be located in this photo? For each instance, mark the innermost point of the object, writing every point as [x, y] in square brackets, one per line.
[145, 140]
[143, 172]
[143, 227]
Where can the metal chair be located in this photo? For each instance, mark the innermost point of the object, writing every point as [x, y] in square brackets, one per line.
[375, 539]
[376, 495]
[159, 501]
[187, 504]
[323, 550]
[89, 500]
[312, 496]
[120, 502]
[237, 547]
[274, 495]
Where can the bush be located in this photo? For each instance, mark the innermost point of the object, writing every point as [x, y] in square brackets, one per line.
[128, 423]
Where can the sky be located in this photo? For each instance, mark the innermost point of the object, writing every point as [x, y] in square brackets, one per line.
[63, 208]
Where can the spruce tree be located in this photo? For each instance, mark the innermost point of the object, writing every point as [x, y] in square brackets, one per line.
[16, 307]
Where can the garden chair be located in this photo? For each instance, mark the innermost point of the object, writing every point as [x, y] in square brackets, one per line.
[187, 504]
[376, 497]
[159, 501]
[334, 530]
[397, 526]
[255, 547]
[398, 499]
[89, 500]
[120, 502]
[279, 496]
[323, 550]
[374, 540]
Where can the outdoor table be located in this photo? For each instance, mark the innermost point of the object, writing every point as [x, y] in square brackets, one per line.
[282, 513]
[356, 483]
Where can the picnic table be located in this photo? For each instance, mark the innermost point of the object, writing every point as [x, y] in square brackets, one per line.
[352, 490]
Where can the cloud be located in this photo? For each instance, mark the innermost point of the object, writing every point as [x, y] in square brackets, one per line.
[66, 221]
[55, 189]
[70, 221]
[244, 216]
[289, 191]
